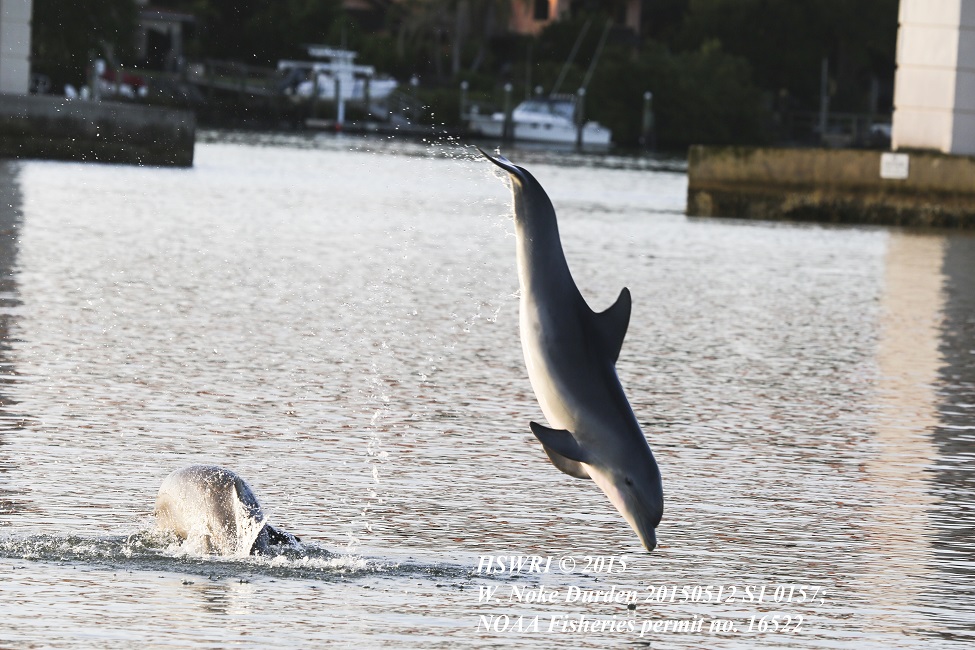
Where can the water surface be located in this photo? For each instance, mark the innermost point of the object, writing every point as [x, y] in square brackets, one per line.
[336, 320]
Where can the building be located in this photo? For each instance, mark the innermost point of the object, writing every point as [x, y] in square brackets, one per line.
[532, 16]
[934, 88]
[15, 46]
[161, 36]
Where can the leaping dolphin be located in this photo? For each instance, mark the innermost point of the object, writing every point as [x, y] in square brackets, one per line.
[571, 354]
[217, 509]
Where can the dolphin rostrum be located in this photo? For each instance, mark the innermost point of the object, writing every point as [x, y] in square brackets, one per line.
[571, 354]
[215, 509]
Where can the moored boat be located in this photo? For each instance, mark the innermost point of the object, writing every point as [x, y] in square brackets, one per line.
[335, 73]
[542, 119]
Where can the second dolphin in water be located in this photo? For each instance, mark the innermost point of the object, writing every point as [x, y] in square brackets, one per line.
[217, 511]
[571, 354]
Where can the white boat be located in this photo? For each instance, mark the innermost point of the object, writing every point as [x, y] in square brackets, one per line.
[550, 120]
[337, 71]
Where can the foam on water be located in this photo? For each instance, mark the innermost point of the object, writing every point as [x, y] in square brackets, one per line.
[150, 550]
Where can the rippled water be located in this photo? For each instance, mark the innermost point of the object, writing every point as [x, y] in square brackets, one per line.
[336, 320]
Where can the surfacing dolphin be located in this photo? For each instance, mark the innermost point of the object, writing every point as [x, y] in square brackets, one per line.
[571, 354]
[215, 508]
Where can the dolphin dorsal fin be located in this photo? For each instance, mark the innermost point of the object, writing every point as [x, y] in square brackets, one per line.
[613, 322]
[560, 441]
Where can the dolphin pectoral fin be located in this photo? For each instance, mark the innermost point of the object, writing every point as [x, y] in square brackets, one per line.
[560, 441]
[562, 449]
[570, 467]
[613, 323]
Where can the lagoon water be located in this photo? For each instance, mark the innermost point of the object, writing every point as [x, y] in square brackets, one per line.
[336, 320]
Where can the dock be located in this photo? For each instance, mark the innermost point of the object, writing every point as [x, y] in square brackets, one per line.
[906, 188]
[55, 128]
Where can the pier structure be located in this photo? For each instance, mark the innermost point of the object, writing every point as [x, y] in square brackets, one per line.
[45, 126]
[851, 186]
[928, 179]
[55, 128]
[15, 46]
[934, 88]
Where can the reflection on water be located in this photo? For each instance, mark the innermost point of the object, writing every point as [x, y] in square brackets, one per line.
[10, 223]
[953, 472]
[336, 320]
[908, 361]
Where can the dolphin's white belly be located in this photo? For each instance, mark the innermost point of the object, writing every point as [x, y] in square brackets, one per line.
[564, 400]
[550, 397]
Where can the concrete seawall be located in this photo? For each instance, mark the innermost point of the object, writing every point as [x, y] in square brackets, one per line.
[60, 129]
[832, 185]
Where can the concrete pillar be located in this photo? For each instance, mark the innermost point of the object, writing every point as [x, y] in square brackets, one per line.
[934, 91]
[15, 46]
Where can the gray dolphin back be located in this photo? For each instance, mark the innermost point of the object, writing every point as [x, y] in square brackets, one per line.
[216, 511]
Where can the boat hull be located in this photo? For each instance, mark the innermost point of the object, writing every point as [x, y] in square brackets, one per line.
[352, 89]
[492, 126]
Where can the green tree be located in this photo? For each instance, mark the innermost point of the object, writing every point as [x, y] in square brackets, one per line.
[277, 29]
[259, 32]
[442, 34]
[702, 97]
[785, 41]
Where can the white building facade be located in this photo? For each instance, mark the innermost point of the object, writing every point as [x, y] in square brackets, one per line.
[15, 46]
[934, 90]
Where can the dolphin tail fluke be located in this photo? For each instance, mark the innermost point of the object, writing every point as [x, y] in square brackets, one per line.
[614, 322]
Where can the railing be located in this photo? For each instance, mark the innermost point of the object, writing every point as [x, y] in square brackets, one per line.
[234, 76]
[842, 129]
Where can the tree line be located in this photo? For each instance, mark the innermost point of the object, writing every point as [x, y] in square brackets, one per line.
[721, 71]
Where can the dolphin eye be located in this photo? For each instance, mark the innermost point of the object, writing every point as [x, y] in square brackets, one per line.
[628, 481]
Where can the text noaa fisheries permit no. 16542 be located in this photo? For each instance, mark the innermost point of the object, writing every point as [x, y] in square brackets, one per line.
[583, 624]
